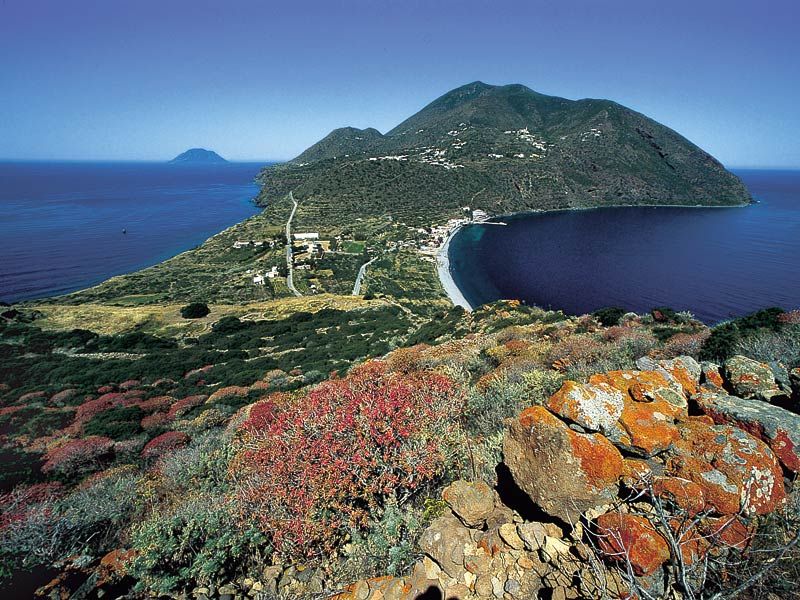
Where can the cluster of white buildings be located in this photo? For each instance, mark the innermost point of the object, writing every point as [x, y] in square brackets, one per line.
[261, 279]
[256, 244]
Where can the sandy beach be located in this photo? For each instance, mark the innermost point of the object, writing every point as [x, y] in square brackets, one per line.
[443, 267]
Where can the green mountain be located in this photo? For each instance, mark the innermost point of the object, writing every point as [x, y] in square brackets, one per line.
[503, 149]
[198, 155]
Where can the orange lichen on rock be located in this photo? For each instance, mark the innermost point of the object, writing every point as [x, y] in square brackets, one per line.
[627, 537]
[596, 407]
[650, 425]
[599, 459]
[735, 470]
[728, 532]
[635, 473]
[682, 371]
[685, 494]
[113, 566]
[563, 471]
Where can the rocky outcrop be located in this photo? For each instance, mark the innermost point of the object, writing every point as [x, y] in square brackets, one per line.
[510, 558]
[748, 378]
[625, 475]
[473, 503]
[776, 426]
[563, 471]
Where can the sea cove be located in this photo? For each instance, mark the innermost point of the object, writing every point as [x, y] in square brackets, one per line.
[68, 225]
[714, 262]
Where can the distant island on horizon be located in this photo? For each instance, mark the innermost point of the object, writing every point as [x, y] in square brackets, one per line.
[199, 156]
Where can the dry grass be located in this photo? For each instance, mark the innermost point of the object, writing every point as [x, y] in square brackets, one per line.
[165, 319]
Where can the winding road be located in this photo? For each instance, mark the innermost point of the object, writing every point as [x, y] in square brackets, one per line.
[361, 272]
[290, 268]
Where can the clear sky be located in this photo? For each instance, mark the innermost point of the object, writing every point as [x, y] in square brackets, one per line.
[144, 79]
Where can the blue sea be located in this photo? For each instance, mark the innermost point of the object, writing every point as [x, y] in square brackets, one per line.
[62, 223]
[717, 263]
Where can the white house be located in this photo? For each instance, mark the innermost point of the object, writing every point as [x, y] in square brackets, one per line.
[272, 273]
[258, 280]
[307, 236]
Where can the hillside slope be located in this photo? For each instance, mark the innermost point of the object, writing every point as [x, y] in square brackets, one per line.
[502, 149]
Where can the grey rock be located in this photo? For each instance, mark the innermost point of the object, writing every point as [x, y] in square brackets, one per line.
[776, 426]
[473, 502]
[749, 378]
[444, 542]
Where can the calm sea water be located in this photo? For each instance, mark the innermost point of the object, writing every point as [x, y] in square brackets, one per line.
[716, 262]
[61, 224]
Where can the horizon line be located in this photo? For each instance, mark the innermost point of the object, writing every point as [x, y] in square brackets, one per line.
[281, 160]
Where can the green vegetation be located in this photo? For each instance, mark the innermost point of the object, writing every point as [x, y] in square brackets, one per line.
[725, 337]
[467, 145]
[195, 310]
[609, 316]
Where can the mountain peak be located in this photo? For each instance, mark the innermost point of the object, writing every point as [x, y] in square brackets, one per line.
[198, 155]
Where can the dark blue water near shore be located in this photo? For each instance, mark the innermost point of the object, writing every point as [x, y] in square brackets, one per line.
[61, 223]
[715, 262]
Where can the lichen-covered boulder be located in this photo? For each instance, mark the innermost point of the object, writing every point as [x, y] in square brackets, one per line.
[644, 386]
[711, 375]
[685, 494]
[650, 426]
[596, 407]
[631, 408]
[473, 502]
[776, 426]
[626, 537]
[444, 541]
[564, 472]
[736, 471]
[683, 372]
[749, 378]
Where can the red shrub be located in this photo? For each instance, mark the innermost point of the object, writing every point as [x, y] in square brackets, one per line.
[164, 444]
[76, 456]
[10, 410]
[31, 397]
[682, 344]
[263, 412]
[185, 404]
[790, 318]
[229, 391]
[91, 408]
[318, 465]
[156, 403]
[14, 505]
[63, 396]
[193, 372]
[155, 420]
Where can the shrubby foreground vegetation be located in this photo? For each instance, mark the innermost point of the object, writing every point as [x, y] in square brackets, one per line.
[271, 444]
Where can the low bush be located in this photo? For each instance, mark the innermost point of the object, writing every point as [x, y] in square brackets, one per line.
[199, 540]
[195, 310]
[723, 340]
[118, 423]
[609, 316]
[325, 461]
[75, 457]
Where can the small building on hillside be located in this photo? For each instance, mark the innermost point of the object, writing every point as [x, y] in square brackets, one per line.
[312, 235]
[272, 273]
[258, 280]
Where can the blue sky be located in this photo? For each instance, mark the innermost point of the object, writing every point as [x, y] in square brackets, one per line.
[142, 79]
